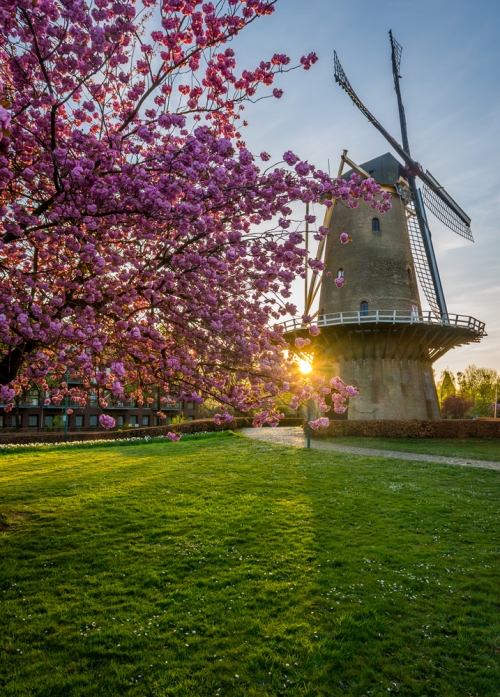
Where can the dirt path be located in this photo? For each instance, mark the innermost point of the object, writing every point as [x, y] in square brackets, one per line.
[294, 436]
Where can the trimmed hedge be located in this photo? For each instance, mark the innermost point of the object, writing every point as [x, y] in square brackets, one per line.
[444, 428]
[198, 426]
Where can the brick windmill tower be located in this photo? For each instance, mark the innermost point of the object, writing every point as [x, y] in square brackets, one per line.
[374, 333]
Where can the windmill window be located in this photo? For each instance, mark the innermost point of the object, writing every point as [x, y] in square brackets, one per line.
[409, 274]
[375, 225]
[363, 309]
[340, 273]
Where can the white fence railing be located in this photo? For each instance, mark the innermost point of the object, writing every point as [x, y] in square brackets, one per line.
[389, 317]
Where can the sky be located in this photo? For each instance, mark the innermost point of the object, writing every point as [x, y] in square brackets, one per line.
[451, 92]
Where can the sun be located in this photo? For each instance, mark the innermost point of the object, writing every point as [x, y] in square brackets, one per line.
[305, 367]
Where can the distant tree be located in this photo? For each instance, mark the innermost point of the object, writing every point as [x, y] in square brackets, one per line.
[478, 384]
[446, 385]
[456, 407]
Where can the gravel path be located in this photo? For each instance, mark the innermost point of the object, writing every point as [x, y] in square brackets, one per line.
[294, 436]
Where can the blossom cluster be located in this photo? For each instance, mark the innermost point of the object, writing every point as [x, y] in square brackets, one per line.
[130, 254]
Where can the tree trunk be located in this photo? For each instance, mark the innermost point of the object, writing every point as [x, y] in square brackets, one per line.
[12, 362]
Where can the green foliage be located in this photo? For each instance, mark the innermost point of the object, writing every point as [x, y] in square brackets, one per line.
[180, 419]
[283, 404]
[209, 408]
[225, 566]
[478, 384]
[446, 385]
[57, 423]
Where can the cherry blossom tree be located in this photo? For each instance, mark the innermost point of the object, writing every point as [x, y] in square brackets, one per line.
[133, 256]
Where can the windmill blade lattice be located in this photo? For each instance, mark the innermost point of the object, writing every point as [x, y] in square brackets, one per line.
[443, 211]
[397, 51]
[442, 204]
[420, 261]
[341, 78]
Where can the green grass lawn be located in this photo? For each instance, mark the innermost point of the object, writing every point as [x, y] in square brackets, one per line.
[223, 566]
[474, 448]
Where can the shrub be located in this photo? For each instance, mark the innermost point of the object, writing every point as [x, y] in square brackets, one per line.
[456, 406]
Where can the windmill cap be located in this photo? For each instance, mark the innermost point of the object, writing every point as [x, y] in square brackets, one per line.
[385, 169]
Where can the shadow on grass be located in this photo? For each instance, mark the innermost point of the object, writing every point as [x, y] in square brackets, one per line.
[233, 567]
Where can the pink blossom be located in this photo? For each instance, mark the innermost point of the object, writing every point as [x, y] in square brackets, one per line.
[69, 411]
[344, 238]
[290, 158]
[6, 393]
[174, 437]
[300, 342]
[337, 384]
[277, 93]
[322, 422]
[309, 60]
[107, 421]
[223, 418]
[339, 281]
[4, 119]
[154, 258]
[314, 330]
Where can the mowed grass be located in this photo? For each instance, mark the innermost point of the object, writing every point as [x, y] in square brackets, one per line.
[224, 566]
[473, 448]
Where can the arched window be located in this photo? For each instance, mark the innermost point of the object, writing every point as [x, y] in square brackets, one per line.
[363, 309]
[375, 225]
[340, 273]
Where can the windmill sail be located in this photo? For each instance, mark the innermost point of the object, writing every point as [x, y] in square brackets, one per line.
[396, 51]
[450, 213]
[419, 253]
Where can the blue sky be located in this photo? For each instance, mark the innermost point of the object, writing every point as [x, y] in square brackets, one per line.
[450, 68]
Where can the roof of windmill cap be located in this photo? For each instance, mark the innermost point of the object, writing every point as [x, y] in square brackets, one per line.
[385, 169]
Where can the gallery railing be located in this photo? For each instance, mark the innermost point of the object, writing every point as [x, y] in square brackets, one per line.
[388, 317]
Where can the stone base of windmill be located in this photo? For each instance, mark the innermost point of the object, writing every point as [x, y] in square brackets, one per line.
[388, 356]
[389, 389]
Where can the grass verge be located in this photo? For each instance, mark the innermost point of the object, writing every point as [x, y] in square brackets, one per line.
[225, 566]
[474, 448]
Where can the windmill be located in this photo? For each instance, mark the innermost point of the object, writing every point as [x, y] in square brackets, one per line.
[373, 331]
[438, 200]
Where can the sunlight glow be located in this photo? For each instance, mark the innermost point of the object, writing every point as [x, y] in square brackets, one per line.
[304, 366]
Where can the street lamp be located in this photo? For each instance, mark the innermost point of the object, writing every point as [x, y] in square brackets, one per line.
[66, 405]
[308, 429]
[305, 368]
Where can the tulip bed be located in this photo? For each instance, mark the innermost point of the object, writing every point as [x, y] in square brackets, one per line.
[225, 566]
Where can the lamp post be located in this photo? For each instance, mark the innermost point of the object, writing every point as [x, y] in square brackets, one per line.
[308, 428]
[66, 405]
[496, 399]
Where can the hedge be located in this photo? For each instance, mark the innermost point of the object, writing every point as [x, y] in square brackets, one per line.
[444, 428]
[197, 426]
